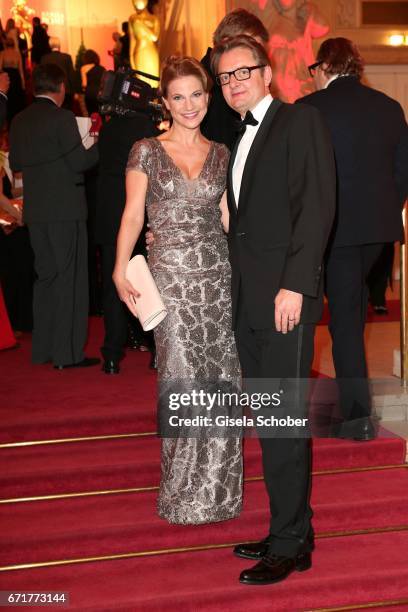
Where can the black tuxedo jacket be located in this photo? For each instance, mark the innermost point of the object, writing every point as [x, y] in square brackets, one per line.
[220, 122]
[3, 109]
[370, 140]
[278, 232]
[45, 144]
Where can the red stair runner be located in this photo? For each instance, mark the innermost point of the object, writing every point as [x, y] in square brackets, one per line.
[347, 570]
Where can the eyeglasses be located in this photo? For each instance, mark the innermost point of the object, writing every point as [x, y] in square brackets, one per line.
[241, 74]
[312, 68]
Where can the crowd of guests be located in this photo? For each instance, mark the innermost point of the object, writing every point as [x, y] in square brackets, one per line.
[308, 195]
[18, 60]
[86, 80]
[81, 85]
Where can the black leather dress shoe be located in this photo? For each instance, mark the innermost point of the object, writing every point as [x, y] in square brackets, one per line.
[111, 366]
[257, 550]
[380, 310]
[273, 568]
[85, 363]
[360, 430]
[254, 551]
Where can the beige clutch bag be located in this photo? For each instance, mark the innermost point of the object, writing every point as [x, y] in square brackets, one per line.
[149, 307]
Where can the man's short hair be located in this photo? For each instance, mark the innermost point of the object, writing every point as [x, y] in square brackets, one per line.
[36, 21]
[243, 42]
[47, 78]
[239, 22]
[341, 56]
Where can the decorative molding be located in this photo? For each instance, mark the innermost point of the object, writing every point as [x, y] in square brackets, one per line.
[346, 14]
[384, 54]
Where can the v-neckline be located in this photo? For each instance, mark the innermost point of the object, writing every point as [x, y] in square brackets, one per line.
[179, 169]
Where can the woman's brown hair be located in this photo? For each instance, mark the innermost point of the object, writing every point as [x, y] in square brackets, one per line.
[177, 66]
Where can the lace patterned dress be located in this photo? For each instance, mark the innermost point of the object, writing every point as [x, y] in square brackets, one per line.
[201, 477]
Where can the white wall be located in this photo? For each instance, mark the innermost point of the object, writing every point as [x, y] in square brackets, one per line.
[392, 80]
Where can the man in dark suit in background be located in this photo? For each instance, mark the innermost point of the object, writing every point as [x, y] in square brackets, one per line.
[40, 41]
[116, 138]
[45, 145]
[281, 199]
[4, 85]
[370, 140]
[64, 61]
[220, 122]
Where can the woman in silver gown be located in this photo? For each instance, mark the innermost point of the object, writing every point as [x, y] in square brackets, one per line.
[180, 177]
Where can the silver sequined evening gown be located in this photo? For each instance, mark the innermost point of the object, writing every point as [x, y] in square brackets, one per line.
[201, 479]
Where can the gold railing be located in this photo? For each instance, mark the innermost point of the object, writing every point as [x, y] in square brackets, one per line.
[404, 305]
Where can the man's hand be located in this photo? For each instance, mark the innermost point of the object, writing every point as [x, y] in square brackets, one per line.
[149, 237]
[4, 82]
[288, 307]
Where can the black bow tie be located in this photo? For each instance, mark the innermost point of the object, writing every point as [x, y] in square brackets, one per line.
[249, 119]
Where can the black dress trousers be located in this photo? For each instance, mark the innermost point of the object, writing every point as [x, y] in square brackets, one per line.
[347, 269]
[268, 354]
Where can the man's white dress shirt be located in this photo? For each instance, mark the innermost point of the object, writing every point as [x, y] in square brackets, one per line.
[245, 144]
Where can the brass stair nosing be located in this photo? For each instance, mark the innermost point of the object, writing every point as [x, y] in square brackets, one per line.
[144, 434]
[365, 606]
[146, 489]
[202, 548]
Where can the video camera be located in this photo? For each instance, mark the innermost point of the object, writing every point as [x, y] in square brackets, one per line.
[122, 93]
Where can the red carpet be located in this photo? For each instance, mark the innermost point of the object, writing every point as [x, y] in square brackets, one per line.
[360, 513]
[128, 463]
[7, 339]
[346, 570]
[126, 523]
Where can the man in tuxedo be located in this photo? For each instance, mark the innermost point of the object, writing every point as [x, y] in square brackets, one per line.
[281, 198]
[4, 85]
[370, 140]
[46, 146]
[64, 61]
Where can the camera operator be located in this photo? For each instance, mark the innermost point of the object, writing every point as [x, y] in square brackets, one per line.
[115, 141]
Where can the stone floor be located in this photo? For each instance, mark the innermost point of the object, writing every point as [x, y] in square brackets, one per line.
[381, 340]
